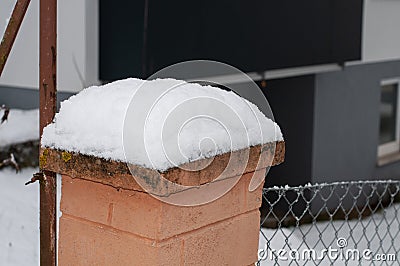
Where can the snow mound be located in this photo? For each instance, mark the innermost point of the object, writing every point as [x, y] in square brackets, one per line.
[158, 124]
[21, 126]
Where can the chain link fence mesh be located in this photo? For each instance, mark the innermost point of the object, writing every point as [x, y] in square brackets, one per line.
[343, 223]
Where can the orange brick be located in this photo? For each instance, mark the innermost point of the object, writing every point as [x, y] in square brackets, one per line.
[254, 198]
[230, 242]
[85, 243]
[144, 215]
[186, 219]
[132, 211]
[137, 212]
[85, 199]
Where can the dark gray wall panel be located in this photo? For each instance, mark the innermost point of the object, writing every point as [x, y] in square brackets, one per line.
[253, 35]
[292, 102]
[346, 126]
[121, 38]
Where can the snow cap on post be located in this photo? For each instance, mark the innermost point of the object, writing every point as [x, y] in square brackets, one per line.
[167, 132]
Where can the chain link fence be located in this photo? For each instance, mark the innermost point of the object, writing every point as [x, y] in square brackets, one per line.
[344, 223]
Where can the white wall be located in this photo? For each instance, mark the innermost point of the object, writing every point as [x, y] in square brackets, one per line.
[77, 65]
[6, 7]
[381, 30]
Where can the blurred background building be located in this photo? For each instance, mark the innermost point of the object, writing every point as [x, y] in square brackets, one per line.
[330, 69]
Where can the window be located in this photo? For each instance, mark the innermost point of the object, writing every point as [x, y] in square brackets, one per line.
[389, 141]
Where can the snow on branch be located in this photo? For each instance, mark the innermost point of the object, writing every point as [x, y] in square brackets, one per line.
[11, 161]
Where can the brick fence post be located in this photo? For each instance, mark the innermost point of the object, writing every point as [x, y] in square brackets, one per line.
[108, 219]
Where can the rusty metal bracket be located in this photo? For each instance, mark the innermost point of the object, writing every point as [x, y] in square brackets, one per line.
[36, 177]
[11, 32]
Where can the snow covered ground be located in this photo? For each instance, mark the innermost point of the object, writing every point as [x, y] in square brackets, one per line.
[21, 126]
[19, 218]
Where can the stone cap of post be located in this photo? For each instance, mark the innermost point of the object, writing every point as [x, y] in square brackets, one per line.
[121, 175]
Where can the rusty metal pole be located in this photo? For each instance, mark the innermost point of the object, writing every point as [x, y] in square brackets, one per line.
[11, 32]
[48, 105]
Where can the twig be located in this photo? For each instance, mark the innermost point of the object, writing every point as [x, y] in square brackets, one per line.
[5, 114]
[10, 161]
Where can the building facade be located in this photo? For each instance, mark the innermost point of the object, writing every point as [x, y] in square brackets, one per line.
[329, 69]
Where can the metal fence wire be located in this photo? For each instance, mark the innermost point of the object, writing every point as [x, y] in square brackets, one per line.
[343, 223]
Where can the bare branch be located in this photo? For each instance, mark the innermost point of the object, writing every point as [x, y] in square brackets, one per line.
[10, 161]
[5, 114]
